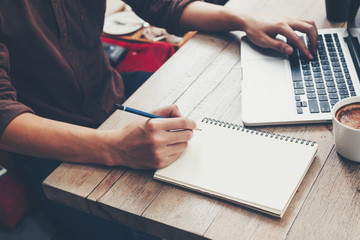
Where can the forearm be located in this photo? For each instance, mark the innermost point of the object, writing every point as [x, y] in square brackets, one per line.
[210, 17]
[36, 136]
[142, 144]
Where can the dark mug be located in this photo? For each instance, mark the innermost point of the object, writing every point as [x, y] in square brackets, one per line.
[337, 10]
[354, 8]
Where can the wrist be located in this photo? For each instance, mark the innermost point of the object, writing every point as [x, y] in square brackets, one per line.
[239, 19]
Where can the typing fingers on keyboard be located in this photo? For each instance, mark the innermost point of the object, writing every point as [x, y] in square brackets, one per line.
[291, 36]
[310, 29]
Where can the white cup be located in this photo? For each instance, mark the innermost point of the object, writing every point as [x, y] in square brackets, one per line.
[347, 139]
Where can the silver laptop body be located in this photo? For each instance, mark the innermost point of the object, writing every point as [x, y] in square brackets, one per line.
[268, 96]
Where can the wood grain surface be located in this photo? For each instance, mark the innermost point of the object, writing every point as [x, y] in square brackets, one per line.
[204, 79]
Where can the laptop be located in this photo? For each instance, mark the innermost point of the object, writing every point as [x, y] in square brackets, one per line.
[279, 89]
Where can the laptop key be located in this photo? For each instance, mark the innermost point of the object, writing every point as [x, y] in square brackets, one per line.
[298, 104]
[313, 106]
[324, 62]
[316, 69]
[299, 92]
[330, 84]
[308, 78]
[324, 106]
[306, 73]
[319, 80]
[295, 67]
[310, 89]
[340, 80]
[317, 75]
[332, 90]
[329, 78]
[333, 101]
[327, 73]
[298, 85]
[323, 57]
[352, 93]
[351, 88]
[333, 96]
[338, 75]
[305, 67]
[320, 86]
[304, 103]
[323, 98]
[297, 98]
[344, 96]
[321, 92]
[342, 86]
[299, 110]
[343, 92]
[326, 67]
[309, 84]
[316, 64]
[311, 95]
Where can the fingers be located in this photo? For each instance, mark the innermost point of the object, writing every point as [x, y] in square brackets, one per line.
[289, 33]
[169, 124]
[168, 111]
[288, 28]
[310, 29]
[262, 33]
[278, 45]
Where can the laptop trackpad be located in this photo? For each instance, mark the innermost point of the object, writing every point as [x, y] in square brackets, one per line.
[266, 86]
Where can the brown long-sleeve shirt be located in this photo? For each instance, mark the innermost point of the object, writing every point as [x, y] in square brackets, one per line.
[52, 62]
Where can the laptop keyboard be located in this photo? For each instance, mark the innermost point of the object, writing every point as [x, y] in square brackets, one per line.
[321, 82]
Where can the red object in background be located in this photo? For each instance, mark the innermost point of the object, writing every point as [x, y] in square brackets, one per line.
[14, 198]
[146, 57]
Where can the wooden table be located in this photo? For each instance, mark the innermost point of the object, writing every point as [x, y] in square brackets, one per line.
[204, 79]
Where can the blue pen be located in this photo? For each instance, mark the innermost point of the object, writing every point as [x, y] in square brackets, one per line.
[141, 113]
[137, 112]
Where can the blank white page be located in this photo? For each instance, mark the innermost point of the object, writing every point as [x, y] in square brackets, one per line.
[247, 168]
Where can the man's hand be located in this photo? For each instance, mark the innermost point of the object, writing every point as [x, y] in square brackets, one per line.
[151, 143]
[262, 31]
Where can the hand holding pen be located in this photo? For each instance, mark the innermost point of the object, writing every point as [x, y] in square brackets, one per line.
[140, 113]
[155, 142]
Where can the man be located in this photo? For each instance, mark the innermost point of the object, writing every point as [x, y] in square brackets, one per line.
[60, 86]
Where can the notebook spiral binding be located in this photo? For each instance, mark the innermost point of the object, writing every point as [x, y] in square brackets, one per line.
[261, 133]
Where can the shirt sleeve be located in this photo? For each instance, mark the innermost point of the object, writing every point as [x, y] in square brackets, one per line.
[161, 13]
[9, 107]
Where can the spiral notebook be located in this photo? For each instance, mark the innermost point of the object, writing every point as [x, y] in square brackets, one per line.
[255, 169]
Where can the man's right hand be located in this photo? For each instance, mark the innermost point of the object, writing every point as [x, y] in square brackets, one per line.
[150, 143]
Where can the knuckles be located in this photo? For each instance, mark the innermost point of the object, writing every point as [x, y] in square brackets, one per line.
[151, 125]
